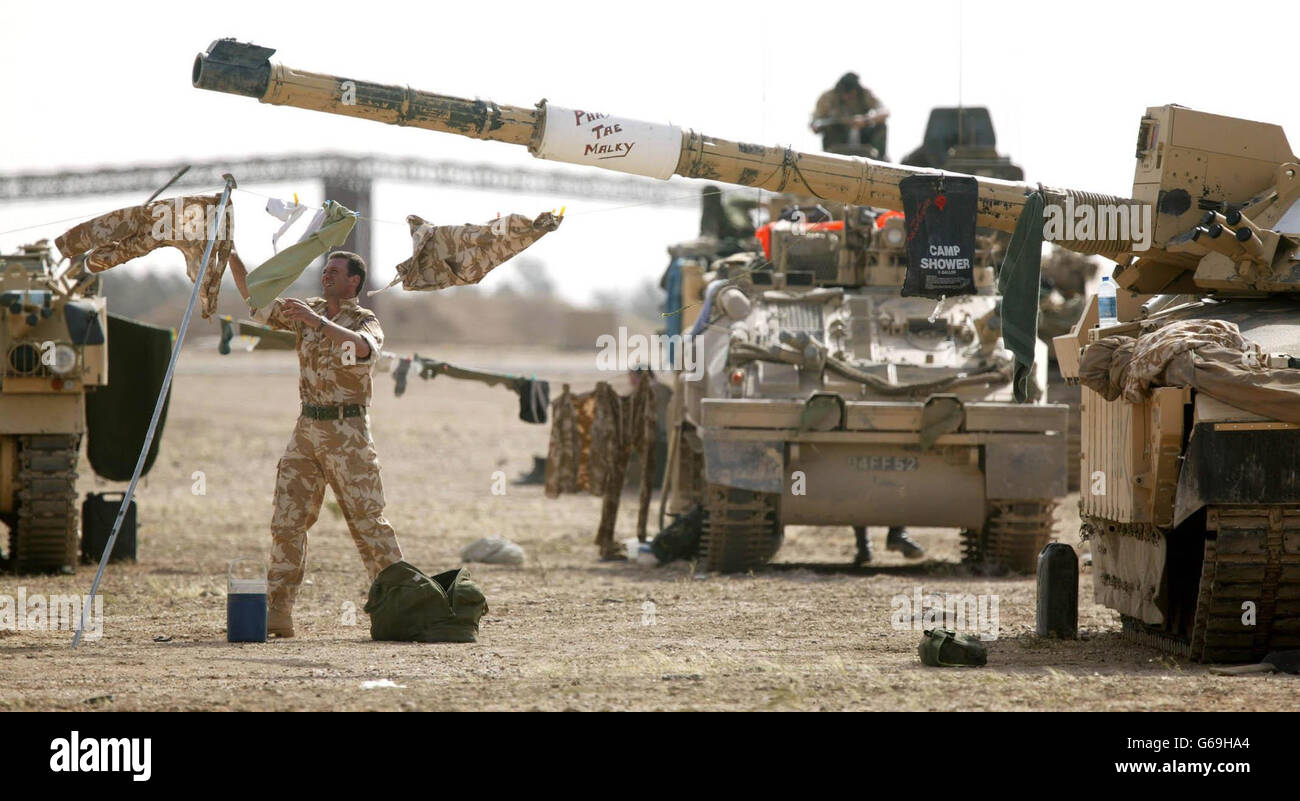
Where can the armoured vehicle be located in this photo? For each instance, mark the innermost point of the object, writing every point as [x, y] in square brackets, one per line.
[1190, 502]
[54, 346]
[1196, 532]
[816, 394]
[58, 339]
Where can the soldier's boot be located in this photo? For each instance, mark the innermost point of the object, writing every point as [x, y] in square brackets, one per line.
[898, 540]
[863, 556]
[537, 476]
[279, 621]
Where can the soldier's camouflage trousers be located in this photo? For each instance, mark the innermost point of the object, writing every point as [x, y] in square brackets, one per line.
[342, 454]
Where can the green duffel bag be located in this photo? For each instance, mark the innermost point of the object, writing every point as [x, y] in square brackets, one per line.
[407, 605]
[947, 648]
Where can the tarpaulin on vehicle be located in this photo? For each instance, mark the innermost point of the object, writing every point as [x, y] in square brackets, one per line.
[117, 415]
[1208, 355]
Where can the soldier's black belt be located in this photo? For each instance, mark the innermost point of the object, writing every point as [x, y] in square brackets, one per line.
[333, 412]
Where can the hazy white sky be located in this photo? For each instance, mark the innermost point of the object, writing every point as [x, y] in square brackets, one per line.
[86, 84]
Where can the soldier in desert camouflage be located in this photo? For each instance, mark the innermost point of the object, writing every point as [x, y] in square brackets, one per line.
[337, 343]
[851, 119]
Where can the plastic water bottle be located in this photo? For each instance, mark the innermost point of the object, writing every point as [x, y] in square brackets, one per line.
[1107, 303]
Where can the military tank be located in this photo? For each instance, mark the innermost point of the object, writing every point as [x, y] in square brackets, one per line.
[819, 395]
[55, 349]
[58, 340]
[1181, 581]
[1190, 503]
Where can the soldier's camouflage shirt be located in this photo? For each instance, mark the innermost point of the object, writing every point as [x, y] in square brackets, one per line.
[328, 373]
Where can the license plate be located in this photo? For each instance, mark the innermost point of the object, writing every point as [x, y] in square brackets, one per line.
[892, 463]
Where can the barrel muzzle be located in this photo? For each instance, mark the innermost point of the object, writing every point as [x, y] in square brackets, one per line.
[234, 67]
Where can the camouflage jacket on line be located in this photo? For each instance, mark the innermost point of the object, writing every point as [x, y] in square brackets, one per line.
[125, 234]
[457, 255]
[592, 436]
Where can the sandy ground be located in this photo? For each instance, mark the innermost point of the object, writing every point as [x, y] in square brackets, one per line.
[565, 631]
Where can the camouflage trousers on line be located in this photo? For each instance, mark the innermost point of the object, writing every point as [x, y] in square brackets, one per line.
[342, 454]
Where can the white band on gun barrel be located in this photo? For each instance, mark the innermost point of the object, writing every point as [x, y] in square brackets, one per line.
[614, 143]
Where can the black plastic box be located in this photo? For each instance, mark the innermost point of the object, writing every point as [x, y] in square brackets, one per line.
[97, 516]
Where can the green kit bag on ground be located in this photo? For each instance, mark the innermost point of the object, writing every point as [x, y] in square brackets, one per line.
[406, 605]
[947, 648]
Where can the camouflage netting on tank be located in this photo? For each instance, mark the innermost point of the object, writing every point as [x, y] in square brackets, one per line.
[1210, 356]
[184, 223]
[458, 255]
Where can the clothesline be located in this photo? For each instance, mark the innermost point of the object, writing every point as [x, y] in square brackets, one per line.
[403, 223]
[430, 368]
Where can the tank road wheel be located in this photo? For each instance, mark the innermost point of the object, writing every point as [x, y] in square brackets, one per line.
[44, 537]
[1013, 535]
[742, 529]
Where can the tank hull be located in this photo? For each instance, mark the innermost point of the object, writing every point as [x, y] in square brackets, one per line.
[1192, 510]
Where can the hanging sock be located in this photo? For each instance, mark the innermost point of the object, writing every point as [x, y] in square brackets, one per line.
[183, 223]
[534, 398]
[227, 334]
[399, 375]
[266, 282]
[458, 255]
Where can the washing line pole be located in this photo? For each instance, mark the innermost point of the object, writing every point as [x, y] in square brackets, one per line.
[218, 228]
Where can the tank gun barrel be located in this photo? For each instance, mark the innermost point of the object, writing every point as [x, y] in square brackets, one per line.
[600, 140]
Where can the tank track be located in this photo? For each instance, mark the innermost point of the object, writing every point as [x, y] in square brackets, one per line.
[1254, 557]
[44, 538]
[742, 529]
[1013, 535]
